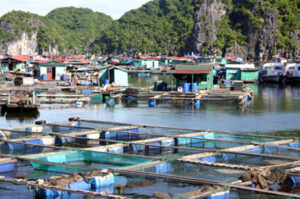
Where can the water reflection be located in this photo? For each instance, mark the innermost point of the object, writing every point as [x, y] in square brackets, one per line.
[274, 108]
[21, 116]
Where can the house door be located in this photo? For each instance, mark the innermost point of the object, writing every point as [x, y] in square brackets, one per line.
[10, 67]
[49, 73]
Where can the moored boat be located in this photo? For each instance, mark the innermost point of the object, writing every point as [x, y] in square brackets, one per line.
[292, 72]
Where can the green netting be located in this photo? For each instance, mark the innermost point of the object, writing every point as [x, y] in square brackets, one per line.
[133, 186]
[98, 124]
[66, 129]
[16, 149]
[98, 160]
[222, 136]
[278, 151]
[253, 161]
[166, 131]
[206, 144]
[195, 171]
[16, 135]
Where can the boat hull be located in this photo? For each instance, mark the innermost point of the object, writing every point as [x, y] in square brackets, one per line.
[18, 108]
[274, 78]
[295, 79]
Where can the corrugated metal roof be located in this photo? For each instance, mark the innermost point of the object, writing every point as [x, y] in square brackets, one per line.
[194, 66]
[190, 71]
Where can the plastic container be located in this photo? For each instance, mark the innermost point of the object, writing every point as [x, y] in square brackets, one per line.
[81, 185]
[63, 77]
[86, 92]
[197, 104]
[78, 104]
[44, 77]
[186, 87]
[152, 103]
[110, 102]
[194, 87]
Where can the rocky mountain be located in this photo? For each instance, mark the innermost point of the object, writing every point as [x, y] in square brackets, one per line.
[159, 26]
[63, 30]
[252, 29]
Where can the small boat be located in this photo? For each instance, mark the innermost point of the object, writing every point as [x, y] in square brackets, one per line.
[273, 72]
[292, 72]
[21, 101]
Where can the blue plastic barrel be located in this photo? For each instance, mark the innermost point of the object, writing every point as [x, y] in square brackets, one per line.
[103, 181]
[186, 87]
[195, 87]
[106, 81]
[81, 185]
[63, 77]
[197, 104]
[110, 102]
[44, 77]
[152, 103]
[215, 72]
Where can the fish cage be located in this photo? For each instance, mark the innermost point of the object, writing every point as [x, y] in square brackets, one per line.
[103, 159]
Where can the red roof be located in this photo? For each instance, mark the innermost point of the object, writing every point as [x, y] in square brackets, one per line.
[21, 58]
[75, 60]
[41, 61]
[179, 58]
[232, 57]
[152, 58]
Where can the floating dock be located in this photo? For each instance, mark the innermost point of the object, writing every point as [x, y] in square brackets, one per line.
[119, 160]
[84, 94]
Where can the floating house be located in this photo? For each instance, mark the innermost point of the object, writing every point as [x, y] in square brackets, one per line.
[194, 77]
[221, 60]
[147, 63]
[234, 59]
[126, 61]
[50, 70]
[14, 63]
[165, 61]
[114, 74]
[180, 60]
[241, 71]
[292, 72]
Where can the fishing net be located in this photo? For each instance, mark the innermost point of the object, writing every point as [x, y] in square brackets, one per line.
[265, 177]
[91, 159]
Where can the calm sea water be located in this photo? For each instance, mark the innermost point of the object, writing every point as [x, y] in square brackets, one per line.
[275, 108]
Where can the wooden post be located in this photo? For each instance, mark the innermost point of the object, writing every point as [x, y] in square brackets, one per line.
[192, 79]
[9, 96]
[33, 96]
[98, 79]
[172, 83]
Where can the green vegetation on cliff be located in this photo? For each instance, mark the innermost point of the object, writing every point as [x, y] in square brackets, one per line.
[78, 27]
[70, 29]
[160, 26]
[245, 16]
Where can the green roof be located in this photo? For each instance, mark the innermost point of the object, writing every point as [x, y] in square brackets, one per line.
[52, 64]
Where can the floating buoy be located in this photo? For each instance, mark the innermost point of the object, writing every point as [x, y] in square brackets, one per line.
[110, 102]
[71, 119]
[78, 104]
[41, 122]
[152, 103]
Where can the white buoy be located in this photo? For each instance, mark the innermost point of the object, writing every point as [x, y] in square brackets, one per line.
[78, 104]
